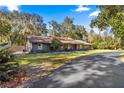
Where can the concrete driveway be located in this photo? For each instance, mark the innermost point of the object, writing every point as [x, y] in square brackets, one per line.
[103, 70]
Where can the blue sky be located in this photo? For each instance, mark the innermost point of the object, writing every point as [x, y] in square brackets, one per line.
[82, 14]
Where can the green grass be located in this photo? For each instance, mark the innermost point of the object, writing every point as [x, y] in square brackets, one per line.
[52, 60]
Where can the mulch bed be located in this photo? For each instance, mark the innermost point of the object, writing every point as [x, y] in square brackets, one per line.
[16, 79]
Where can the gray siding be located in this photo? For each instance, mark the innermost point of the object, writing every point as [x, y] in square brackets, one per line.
[43, 47]
[40, 47]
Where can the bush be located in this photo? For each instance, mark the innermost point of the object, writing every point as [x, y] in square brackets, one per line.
[55, 44]
[106, 43]
[5, 65]
[5, 56]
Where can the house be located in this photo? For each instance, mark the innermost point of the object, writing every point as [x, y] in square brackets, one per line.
[43, 43]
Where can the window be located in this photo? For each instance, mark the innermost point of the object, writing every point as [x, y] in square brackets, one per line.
[40, 46]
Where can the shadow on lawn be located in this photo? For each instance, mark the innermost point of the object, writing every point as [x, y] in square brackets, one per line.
[54, 58]
[97, 70]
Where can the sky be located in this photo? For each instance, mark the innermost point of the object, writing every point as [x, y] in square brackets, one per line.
[82, 14]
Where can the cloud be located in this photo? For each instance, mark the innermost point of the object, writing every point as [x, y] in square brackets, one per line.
[13, 7]
[94, 14]
[82, 8]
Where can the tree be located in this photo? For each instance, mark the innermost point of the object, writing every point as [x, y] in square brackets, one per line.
[23, 24]
[26, 24]
[55, 27]
[5, 29]
[110, 17]
[80, 32]
[67, 26]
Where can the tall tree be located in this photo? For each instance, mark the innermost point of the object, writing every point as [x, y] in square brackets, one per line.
[67, 26]
[54, 27]
[111, 17]
[80, 32]
[68, 29]
[23, 24]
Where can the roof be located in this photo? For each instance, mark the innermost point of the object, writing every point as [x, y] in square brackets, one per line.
[42, 39]
[17, 48]
[48, 39]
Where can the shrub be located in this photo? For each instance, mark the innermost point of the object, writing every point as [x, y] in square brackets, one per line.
[5, 56]
[55, 44]
[106, 43]
[5, 65]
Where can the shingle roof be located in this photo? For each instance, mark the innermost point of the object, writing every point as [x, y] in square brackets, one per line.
[17, 48]
[43, 39]
[48, 39]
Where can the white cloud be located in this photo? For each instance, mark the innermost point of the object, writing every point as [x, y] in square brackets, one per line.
[82, 8]
[95, 13]
[13, 7]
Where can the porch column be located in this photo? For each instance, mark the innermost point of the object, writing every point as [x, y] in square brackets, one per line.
[62, 47]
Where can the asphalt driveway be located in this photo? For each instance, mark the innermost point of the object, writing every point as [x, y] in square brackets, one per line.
[103, 70]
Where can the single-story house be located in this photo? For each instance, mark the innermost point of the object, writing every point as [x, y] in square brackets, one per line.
[43, 43]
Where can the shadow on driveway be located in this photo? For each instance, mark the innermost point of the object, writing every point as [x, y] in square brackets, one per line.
[102, 70]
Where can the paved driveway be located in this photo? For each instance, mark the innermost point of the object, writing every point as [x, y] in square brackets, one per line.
[92, 71]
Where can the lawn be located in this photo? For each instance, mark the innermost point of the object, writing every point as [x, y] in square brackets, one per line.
[52, 60]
